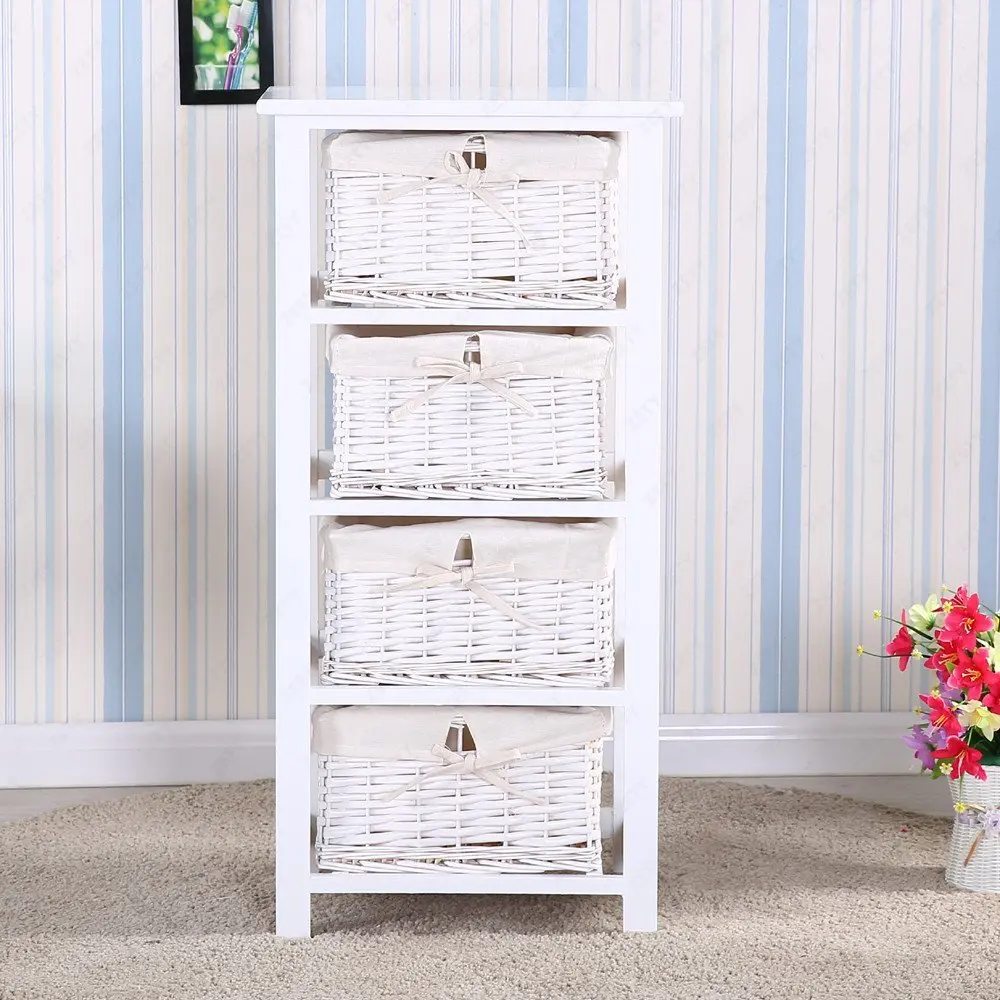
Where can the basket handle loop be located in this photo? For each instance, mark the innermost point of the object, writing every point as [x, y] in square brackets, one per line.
[459, 738]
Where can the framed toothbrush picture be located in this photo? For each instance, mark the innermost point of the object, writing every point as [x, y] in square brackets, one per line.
[226, 50]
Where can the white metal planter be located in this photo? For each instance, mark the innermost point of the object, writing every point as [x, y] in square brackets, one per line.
[974, 855]
[402, 790]
[494, 219]
[482, 600]
[493, 414]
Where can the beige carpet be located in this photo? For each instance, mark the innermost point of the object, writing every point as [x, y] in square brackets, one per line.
[764, 894]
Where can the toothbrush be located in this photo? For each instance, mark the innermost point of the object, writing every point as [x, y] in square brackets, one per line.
[234, 24]
[249, 18]
[240, 22]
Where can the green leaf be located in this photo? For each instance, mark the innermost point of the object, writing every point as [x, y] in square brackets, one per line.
[990, 749]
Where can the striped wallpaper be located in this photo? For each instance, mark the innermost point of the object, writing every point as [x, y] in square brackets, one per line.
[833, 415]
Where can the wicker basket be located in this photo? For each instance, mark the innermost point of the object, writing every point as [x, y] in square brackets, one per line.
[493, 219]
[446, 789]
[974, 855]
[491, 414]
[479, 601]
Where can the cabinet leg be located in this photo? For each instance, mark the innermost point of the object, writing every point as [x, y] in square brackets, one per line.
[639, 908]
[640, 834]
[293, 918]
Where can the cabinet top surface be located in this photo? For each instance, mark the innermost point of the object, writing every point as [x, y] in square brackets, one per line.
[373, 102]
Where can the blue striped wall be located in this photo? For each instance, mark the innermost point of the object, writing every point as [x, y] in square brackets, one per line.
[833, 420]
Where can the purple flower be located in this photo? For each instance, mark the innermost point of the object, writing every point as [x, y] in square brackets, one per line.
[923, 740]
[991, 821]
[948, 694]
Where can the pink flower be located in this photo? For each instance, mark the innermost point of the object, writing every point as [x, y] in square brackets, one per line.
[950, 648]
[965, 618]
[992, 700]
[973, 673]
[964, 760]
[942, 715]
[902, 644]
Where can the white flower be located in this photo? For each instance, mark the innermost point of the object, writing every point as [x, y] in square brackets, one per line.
[974, 714]
[924, 616]
[994, 651]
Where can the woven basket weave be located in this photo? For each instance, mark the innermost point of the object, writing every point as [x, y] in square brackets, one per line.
[494, 414]
[421, 812]
[532, 607]
[485, 220]
[974, 854]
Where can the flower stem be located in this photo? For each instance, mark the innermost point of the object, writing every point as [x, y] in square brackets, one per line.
[908, 626]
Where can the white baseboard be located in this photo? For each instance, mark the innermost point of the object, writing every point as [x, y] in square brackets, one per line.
[81, 755]
[795, 743]
[179, 753]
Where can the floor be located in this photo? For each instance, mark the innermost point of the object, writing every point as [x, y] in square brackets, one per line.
[762, 894]
[915, 793]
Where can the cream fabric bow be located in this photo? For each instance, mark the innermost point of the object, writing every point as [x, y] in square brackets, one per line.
[461, 373]
[466, 763]
[429, 575]
[471, 178]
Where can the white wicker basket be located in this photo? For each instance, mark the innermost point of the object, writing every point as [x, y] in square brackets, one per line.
[974, 855]
[419, 789]
[494, 219]
[490, 414]
[478, 601]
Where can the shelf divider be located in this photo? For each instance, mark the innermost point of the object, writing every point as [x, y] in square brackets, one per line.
[462, 882]
[360, 694]
[332, 315]
[379, 507]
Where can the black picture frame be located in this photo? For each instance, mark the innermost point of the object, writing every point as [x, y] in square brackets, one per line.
[190, 93]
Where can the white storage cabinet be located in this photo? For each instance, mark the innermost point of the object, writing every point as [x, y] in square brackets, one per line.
[492, 231]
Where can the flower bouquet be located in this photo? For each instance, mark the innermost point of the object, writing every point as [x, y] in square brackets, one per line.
[958, 638]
